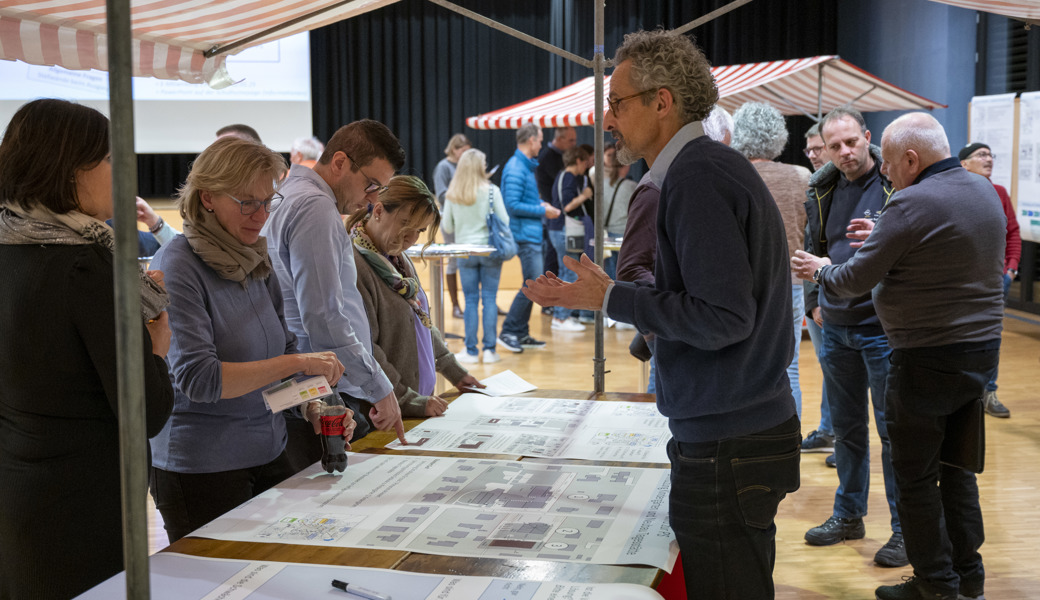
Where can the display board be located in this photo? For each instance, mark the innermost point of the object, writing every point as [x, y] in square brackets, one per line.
[993, 123]
[1028, 208]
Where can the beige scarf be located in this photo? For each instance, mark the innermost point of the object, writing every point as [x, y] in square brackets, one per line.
[222, 252]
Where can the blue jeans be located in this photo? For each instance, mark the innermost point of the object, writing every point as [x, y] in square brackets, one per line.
[651, 385]
[798, 313]
[558, 237]
[816, 335]
[722, 505]
[855, 361]
[479, 276]
[938, 504]
[519, 317]
[991, 385]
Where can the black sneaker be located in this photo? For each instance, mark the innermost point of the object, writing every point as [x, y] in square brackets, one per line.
[818, 442]
[971, 588]
[529, 342]
[912, 588]
[835, 530]
[510, 342]
[893, 553]
[994, 407]
[830, 461]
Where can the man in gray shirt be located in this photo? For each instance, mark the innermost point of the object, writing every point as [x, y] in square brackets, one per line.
[934, 261]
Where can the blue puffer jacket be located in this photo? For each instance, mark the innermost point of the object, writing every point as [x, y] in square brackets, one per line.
[520, 193]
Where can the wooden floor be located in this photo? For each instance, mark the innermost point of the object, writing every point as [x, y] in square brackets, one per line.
[1010, 486]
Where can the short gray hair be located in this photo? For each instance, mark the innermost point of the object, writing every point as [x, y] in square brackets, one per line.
[814, 131]
[310, 148]
[759, 131]
[662, 59]
[718, 124]
[526, 132]
[920, 132]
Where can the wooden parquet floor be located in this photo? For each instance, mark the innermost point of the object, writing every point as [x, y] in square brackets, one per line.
[1010, 486]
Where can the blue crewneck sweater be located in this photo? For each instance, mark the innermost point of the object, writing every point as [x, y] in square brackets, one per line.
[721, 304]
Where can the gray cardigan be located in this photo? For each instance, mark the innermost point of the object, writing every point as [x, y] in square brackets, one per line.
[393, 340]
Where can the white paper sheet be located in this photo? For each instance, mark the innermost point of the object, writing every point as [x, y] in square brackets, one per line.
[506, 383]
[546, 427]
[466, 507]
[182, 577]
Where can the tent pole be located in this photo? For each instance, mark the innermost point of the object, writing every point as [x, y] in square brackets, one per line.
[599, 373]
[786, 101]
[130, 382]
[819, 92]
[515, 33]
[718, 12]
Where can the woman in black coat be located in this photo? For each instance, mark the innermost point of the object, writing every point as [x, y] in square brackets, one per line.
[60, 511]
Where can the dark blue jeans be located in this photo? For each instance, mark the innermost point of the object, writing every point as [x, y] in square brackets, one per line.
[723, 502]
[479, 276]
[519, 316]
[854, 361]
[938, 504]
[991, 385]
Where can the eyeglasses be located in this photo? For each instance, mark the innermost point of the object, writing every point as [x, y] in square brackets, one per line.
[249, 207]
[984, 155]
[373, 183]
[813, 150]
[615, 104]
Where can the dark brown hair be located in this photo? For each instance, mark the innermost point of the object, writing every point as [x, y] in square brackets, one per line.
[44, 145]
[364, 141]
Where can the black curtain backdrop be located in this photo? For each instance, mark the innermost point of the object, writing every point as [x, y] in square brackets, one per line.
[422, 69]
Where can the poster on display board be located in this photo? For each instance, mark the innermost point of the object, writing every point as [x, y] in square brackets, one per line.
[1028, 207]
[993, 123]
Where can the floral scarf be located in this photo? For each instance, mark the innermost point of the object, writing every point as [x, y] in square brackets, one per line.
[390, 269]
[38, 225]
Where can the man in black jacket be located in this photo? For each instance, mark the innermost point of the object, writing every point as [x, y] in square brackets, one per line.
[855, 349]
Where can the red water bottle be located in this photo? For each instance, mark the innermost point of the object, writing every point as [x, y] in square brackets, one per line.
[333, 430]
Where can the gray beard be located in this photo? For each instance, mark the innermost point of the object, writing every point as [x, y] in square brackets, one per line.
[625, 156]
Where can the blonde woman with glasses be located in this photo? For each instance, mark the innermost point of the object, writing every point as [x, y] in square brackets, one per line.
[222, 446]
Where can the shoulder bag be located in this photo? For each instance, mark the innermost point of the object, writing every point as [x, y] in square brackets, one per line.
[499, 234]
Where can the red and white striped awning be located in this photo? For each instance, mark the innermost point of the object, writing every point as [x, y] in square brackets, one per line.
[1026, 10]
[797, 86]
[170, 36]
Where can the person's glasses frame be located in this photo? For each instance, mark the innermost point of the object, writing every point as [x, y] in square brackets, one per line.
[373, 183]
[248, 207]
[814, 150]
[984, 155]
[614, 104]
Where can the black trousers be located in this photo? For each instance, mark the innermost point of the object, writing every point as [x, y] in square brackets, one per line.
[188, 501]
[723, 502]
[938, 505]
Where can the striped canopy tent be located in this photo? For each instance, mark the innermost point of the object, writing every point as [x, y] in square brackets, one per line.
[1024, 10]
[172, 39]
[809, 86]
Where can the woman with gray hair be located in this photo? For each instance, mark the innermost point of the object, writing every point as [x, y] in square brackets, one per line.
[760, 134]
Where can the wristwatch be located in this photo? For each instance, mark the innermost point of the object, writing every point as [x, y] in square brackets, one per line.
[816, 275]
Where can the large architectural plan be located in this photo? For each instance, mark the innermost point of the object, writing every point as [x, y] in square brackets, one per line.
[467, 507]
[546, 427]
[182, 577]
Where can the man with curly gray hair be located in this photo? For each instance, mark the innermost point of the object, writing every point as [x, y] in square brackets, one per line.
[760, 134]
[719, 307]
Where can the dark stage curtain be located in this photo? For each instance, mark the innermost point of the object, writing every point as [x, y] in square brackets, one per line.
[422, 69]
